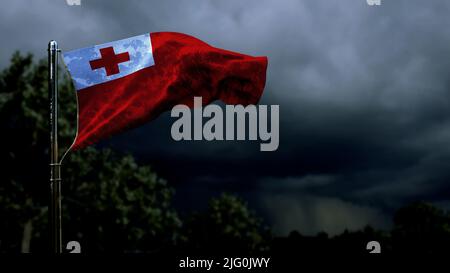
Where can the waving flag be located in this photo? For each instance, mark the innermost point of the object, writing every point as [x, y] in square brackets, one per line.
[123, 84]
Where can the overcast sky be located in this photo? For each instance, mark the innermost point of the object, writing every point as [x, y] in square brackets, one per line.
[364, 95]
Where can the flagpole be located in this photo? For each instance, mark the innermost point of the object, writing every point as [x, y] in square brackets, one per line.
[55, 166]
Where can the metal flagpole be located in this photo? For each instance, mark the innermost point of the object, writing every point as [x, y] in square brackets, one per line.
[55, 166]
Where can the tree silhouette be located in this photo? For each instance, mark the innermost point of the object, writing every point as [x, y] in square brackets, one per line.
[227, 226]
[421, 228]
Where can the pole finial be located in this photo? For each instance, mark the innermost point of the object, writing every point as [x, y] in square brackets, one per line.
[52, 45]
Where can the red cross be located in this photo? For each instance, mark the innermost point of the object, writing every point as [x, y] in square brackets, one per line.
[109, 60]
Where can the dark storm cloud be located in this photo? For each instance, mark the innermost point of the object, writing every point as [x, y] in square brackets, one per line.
[363, 93]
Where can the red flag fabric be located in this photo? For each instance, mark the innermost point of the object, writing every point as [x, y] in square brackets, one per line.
[123, 84]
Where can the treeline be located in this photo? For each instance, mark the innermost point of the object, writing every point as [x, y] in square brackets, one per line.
[419, 228]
